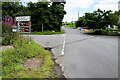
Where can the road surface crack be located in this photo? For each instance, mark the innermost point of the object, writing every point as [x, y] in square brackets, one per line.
[80, 40]
[75, 41]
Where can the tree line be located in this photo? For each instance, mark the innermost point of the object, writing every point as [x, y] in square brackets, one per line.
[49, 13]
[99, 19]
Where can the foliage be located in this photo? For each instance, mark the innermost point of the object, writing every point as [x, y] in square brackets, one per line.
[7, 33]
[112, 32]
[9, 9]
[81, 22]
[113, 19]
[71, 25]
[50, 14]
[98, 19]
[13, 58]
[98, 32]
[46, 33]
[118, 30]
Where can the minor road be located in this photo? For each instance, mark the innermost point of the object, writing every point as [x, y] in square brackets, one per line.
[86, 56]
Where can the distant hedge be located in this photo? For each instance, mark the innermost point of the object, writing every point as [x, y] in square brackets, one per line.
[112, 32]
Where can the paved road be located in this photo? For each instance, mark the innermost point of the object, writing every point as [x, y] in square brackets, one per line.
[86, 56]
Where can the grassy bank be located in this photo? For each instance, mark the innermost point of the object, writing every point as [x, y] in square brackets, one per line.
[70, 25]
[46, 33]
[12, 60]
[111, 32]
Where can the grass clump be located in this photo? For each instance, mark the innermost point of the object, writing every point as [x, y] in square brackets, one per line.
[12, 60]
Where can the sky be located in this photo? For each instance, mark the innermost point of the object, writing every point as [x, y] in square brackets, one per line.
[73, 6]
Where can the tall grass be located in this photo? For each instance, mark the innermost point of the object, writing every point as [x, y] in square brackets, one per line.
[12, 60]
[7, 33]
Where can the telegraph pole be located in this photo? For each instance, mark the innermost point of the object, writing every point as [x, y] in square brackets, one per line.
[72, 21]
[78, 15]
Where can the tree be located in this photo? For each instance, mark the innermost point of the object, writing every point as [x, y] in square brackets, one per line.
[41, 12]
[98, 19]
[81, 22]
[10, 8]
[58, 11]
[113, 19]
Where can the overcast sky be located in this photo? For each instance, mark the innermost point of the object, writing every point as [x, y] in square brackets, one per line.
[73, 6]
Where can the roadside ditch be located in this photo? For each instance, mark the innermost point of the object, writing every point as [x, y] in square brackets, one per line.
[58, 69]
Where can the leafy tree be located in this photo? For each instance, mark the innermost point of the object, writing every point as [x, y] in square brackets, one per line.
[9, 9]
[113, 19]
[51, 15]
[98, 19]
[81, 22]
[58, 13]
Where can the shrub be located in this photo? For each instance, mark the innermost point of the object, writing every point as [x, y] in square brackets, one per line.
[112, 33]
[7, 33]
[98, 32]
[104, 32]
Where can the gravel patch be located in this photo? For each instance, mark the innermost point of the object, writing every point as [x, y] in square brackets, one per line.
[33, 63]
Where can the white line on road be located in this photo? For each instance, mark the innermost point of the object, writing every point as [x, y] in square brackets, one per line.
[64, 35]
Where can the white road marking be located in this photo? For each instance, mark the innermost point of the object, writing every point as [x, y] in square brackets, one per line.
[64, 35]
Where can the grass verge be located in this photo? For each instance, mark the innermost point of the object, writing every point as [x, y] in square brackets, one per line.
[46, 33]
[12, 60]
[110, 32]
[70, 25]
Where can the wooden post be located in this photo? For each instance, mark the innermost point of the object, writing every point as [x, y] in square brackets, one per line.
[42, 27]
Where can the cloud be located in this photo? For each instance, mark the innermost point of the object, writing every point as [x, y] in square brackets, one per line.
[71, 4]
[69, 17]
[107, 5]
[71, 10]
[29, 0]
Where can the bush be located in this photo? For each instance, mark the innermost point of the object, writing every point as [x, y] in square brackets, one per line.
[98, 32]
[112, 33]
[112, 29]
[8, 37]
[104, 32]
[7, 33]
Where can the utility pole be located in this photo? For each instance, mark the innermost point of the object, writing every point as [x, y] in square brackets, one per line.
[78, 15]
[72, 21]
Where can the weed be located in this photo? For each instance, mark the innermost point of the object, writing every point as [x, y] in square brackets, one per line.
[12, 60]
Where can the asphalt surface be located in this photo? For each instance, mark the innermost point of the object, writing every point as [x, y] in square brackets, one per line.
[85, 56]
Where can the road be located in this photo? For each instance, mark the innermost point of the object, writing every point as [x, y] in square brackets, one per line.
[85, 56]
